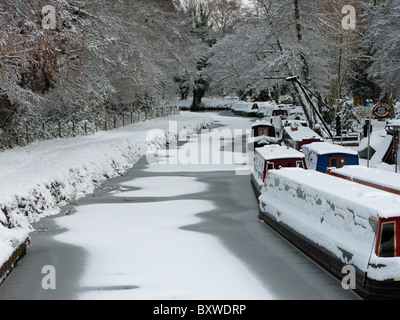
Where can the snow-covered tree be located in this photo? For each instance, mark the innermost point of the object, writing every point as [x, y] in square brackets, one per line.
[281, 39]
[101, 55]
[383, 27]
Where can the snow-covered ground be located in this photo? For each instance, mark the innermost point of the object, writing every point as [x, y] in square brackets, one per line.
[37, 179]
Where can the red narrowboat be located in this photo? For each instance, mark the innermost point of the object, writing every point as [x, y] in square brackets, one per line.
[273, 157]
[298, 136]
[373, 177]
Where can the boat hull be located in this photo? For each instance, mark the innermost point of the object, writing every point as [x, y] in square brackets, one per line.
[366, 288]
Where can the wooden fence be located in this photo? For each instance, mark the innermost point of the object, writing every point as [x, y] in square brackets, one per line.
[30, 130]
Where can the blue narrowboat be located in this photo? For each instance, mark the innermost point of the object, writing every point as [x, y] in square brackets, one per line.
[322, 155]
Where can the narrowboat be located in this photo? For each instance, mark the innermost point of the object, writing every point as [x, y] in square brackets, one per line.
[247, 109]
[264, 133]
[273, 157]
[338, 223]
[374, 177]
[280, 112]
[296, 136]
[321, 155]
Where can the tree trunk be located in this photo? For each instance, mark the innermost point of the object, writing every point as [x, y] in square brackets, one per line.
[306, 71]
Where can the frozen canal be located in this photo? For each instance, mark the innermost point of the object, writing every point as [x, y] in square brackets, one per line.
[171, 229]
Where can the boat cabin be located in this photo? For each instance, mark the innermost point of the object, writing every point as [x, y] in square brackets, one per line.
[272, 157]
[296, 136]
[263, 128]
[280, 113]
[322, 155]
[264, 133]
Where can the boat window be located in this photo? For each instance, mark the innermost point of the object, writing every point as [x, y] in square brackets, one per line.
[299, 164]
[337, 162]
[387, 243]
[263, 132]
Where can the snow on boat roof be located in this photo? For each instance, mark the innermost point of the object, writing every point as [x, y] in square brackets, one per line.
[381, 203]
[373, 175]
[262, 123]
[327, 147]
[302, 133]
[276, 151]
[393, 123]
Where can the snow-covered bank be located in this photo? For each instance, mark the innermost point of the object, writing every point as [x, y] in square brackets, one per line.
[37, 179]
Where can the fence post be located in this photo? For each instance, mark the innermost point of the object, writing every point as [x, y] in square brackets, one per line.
[59, 129]
[27, 133]
[10, 137]
[85, 128]
[115, 122]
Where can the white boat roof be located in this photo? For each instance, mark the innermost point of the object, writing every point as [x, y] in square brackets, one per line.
[327, 147]
[382, 203]
[393, 123]
[302, 133]
[373, 175]
[262, 123]
[275, 151]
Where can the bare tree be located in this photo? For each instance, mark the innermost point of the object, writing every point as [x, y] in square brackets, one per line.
[224, 14]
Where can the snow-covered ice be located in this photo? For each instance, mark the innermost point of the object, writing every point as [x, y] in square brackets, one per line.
[142, 246]
[140, 249]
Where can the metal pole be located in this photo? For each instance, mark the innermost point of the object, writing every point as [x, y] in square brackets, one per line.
[315, 108]
[369, 140]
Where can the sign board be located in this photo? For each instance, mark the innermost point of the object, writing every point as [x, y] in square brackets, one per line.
[381, 110]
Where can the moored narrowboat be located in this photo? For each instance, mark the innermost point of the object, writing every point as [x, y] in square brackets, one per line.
[273, 157]
[338, 223]
[373, 177]
[321, 155]
[264, 133]
[297, 135]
